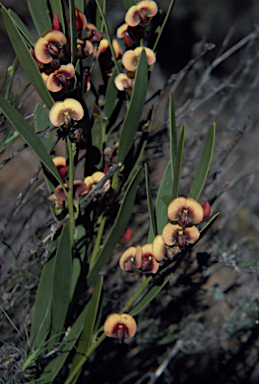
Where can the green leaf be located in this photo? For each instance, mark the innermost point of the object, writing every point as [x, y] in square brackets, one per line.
[151, 294]
[137, 102]
[153, 230]
[61, 282]
[40, 326]
[98, 18]
[87, 333]
[40, 15]
[205, 229]
[22, 28]
[129, 3]
[53, 368]
[80, 5]
[29, 136]
[164, 197]
[111, 98]
[73, 31]
[56, 6]
[173, 135]
[81, 251]
[203, 166]
[118, 228]
[41, 123]
[178, 165]
[25, 58]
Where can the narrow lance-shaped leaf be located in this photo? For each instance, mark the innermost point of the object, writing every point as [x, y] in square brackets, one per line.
[41, 123]
[20, 25]
[53, 368]
[203, 166]
[153, 230]
[137, 102]
[150, 295]
[87, 333]
[80, 5]
[29, 136]
[41, 315]
[73, 31]
[25, 58]
[173, 135]
[61, 283]
[40, 15]
[164, 197]
[117, 229]
[129, 3]
[178, 165]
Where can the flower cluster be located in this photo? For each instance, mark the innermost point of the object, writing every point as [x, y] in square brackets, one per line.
[137, 19]
[52, 53]
[183, 214]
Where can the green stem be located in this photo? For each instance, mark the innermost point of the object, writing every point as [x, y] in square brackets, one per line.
[84, 359]
[70, 192]
[145, 282]
[164, 23]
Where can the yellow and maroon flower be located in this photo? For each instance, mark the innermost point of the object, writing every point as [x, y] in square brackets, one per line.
[141, 13]
[124, 81]
[175, 234]
[149, 263]
[49, 46]
[81, 21]
[104, 46]
[186, 211]
[60, 163]
[79, 188]
[66, 112]
[131, 259]
[120, 326]
[60, 78]
[130, 58]
[91, 181]
[39, 63]
[159, 248]
[84, 48]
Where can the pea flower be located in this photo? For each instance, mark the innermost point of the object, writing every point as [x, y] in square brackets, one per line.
[141, 13]
[120, 326]
[60, 163]
[91, 181]
[131, 259]
[84, 48]
[185, 210]
[124, 81]
[79, 188]
[175, 234]
[60, 78]
[123, 32]
[49, 46]
[130, 58]
[139, 258]
[66, 112]
[104, 46]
